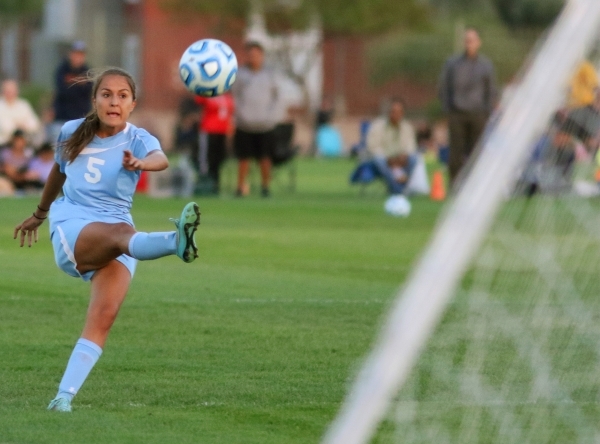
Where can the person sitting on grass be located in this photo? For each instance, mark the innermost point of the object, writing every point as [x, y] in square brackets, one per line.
[583, 123]
[16, 113]
[99, 160]
[15, 160]
[42, 163]
[392, 148]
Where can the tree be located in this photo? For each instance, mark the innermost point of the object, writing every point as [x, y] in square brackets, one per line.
[295, 40]
[339, 16]
[20, 8]
[514, 13]
[528, 13]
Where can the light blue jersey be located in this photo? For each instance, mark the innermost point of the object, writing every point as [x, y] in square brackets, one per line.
[97, 189]
[96, 181]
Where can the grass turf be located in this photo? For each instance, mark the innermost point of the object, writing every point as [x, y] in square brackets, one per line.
[255, 342]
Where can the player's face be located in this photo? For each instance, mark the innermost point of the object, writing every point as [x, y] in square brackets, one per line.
[114, 102]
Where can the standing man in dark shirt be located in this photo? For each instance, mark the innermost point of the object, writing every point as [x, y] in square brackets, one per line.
[72, 96]
[468, 93]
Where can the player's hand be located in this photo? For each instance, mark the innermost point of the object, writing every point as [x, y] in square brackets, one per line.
[132, 163]
[29, 228]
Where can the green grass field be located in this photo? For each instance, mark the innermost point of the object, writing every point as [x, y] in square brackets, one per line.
[255, 342]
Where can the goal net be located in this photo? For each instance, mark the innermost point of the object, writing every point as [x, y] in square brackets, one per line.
[495, 336]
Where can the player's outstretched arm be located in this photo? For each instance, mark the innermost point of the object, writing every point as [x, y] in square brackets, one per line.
[154, 161]
[29, 226]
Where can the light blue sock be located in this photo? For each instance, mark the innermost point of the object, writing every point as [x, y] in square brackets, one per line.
[146, 246]
[82, 360]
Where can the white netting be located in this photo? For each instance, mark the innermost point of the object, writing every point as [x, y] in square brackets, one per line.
[515, 357]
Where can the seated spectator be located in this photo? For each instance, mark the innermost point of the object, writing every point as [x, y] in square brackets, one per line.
[584, 123]
[6, 187]
[551, 166]
[424, 138]
[186, 130]
[325, 112]
[184, 172]
[42, 162]
[323, 117]
[17, 114]
[392, 148]
[15, 162]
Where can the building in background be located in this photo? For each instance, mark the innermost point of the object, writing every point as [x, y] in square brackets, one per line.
[148, 41]
[111, 30]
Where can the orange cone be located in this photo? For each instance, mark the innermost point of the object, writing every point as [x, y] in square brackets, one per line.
[438, 189]
[597, 175]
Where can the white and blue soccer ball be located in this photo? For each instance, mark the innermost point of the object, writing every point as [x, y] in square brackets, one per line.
[398, 206]
[208, 67]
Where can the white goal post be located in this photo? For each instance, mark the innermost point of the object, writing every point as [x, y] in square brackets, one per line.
[422, 301]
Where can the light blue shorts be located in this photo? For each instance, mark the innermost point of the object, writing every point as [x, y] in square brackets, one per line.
[64, 235]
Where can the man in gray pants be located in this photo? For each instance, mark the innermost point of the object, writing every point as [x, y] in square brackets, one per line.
[467, 90]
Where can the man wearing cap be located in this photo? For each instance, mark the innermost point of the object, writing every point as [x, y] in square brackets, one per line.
[72, 99]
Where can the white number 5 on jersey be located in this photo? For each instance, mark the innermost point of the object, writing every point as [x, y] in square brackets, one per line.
[94, 174]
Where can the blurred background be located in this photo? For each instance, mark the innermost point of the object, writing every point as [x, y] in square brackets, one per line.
[345, 56]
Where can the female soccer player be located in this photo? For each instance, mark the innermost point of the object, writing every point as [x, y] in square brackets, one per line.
[98, 162]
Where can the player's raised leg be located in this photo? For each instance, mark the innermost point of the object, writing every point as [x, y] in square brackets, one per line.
[99, 243]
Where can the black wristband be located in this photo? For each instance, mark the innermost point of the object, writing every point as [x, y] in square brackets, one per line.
[39, 218]
[41, 209]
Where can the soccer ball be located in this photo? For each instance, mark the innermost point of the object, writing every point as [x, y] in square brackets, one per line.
[208, 67]
[397, 206]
